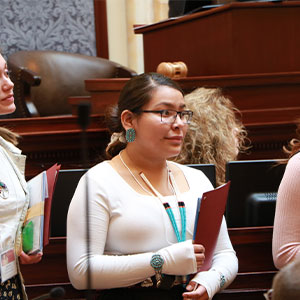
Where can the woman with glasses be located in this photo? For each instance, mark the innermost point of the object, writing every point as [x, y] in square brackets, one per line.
[142, 206]
[13, 200]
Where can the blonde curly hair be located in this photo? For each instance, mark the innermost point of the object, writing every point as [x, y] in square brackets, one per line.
[215, 134]
[294, 144]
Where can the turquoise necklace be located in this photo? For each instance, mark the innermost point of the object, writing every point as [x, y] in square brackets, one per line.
[181, 205]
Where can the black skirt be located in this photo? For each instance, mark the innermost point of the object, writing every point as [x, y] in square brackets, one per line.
[145, 293]
[11, 289]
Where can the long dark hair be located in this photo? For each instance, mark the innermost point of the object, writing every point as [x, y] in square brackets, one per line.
[136, 93]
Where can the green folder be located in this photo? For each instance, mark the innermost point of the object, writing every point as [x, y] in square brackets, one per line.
[27, 236]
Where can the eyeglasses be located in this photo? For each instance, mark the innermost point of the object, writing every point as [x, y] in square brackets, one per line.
[168, 116]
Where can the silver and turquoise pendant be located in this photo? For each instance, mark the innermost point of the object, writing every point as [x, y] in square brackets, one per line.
[4, 193]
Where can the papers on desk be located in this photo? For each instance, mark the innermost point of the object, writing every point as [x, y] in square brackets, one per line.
[35, 234]
[209, 214]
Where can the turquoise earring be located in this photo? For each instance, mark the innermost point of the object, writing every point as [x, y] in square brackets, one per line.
[130, 135]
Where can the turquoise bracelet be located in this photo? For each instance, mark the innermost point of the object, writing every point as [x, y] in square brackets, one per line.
[156, 263]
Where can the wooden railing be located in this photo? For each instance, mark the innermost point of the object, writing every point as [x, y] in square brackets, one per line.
[268, 104]
[49, 140]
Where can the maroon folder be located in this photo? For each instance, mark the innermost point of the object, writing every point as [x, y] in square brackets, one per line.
[209, 214]
[52, 174]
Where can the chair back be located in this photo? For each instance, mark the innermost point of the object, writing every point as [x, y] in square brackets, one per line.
[61, 76]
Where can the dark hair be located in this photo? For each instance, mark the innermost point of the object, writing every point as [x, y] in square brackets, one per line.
[9, 135]
[136, 93]
[286, 282]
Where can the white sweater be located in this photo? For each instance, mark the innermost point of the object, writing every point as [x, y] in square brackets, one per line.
[126, 228]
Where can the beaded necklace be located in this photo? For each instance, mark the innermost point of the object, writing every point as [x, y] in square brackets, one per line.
[181, 205]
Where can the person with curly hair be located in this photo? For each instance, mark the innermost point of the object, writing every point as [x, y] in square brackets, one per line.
[286, 232]
[215, 134]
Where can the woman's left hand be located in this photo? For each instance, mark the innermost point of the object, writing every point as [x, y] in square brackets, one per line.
[30, 259]
[195, 291]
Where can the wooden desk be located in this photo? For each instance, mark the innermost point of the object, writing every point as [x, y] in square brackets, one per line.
[262, 98]
[47, 140]
[269, 104]
[256, 269]
[104, 92]
[237, 38]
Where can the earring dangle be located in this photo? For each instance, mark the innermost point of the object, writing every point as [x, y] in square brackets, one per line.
[130, 135]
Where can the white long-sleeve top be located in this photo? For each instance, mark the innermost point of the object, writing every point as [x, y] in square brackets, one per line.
[14, 208]
[127, 228]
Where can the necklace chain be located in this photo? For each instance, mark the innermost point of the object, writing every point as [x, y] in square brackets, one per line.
[123, 162]
[168, 209]
[137, 181]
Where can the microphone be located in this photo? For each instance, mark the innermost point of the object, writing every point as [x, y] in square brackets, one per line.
[57, 292]
[84, 109]
[83, 113]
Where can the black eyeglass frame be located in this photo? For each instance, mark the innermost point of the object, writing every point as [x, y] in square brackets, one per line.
[189, 113]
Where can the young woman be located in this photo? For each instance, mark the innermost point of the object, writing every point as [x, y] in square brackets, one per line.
[142, 206]
[286, 232]
[13, 200]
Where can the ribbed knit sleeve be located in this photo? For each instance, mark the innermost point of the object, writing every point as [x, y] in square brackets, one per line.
[286, 234]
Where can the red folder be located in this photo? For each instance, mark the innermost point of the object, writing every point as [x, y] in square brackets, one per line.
[209, 214]
[51, 179]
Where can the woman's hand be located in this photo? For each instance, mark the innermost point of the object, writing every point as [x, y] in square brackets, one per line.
[30, 259]
[195, 291]
[199, 253]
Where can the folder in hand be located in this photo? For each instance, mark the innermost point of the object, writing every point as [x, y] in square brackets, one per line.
[209, 214]
[35, 233]
[52, 174]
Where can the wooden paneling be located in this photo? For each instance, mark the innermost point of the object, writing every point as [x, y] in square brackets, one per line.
[268, 139]
[269, 105]
[248, 241]
[47, 140]
[101, 28]
[237, 38]
[262, 98]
